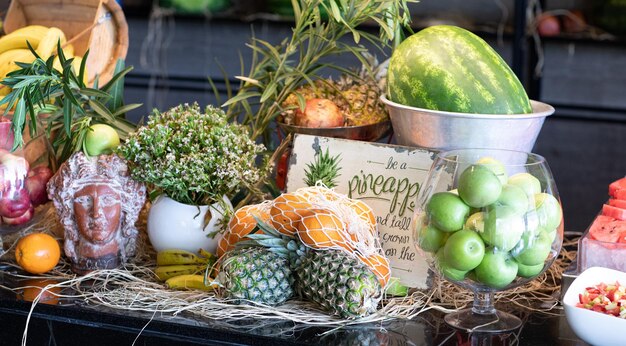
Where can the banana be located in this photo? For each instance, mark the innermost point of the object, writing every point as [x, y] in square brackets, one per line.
[190, 281]
[48, 44]
[8, 59]
[177, 256]
[166, 272]
[76, 66]
[68, 52]
[17, 39]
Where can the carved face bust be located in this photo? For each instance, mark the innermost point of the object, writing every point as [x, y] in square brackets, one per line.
[97, 209]
[97, 203]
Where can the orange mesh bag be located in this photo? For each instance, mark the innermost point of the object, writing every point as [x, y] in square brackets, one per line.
[324, 219]
[241, 224]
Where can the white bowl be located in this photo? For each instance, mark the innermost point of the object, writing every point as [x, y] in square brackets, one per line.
[594, 327]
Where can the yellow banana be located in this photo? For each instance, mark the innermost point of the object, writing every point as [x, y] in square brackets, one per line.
[8, 59]
[76, 67]
[17, 39]
[68, 52]
[190, 281]
[166, 272]
[177, 256]
[48, 44]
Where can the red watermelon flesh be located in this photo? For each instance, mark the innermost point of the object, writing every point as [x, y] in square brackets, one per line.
[607, 229]
[614, 212]
[620, 203]
[617, 189]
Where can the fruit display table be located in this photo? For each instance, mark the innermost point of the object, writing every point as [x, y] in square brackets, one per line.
[69, 323]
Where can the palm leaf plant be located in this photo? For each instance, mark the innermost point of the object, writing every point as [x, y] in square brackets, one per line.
[277, 70]
[72, 106]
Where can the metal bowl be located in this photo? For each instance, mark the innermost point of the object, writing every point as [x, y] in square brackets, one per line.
[449, 130]
[370, 133]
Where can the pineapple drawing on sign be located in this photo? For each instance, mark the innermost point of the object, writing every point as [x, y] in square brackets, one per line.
[324, 169]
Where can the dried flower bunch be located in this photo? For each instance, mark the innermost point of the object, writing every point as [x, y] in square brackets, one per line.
[193, 157]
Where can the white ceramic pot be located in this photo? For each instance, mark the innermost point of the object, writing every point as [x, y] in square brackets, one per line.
[174, 225]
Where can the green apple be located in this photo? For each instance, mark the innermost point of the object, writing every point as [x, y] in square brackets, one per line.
[395, 288]
[476, 222]
[447, 211]
[527, 182]
[464, 250]
[551, 234]
[514, 197]
[529, 271]
[479, 186]
[503, 227]
[431, 238]
[101, 139]
[533, 248]
[447, 271]
[497, 269]
[495, 166]
[548, 210]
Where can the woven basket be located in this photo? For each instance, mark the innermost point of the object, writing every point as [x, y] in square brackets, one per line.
[99, 24]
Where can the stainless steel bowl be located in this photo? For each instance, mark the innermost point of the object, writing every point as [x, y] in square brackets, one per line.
[448, 130]
[371, 132]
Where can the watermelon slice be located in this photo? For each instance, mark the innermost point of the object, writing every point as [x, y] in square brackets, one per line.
[607, 229]
[617, 189]
[614, 212]
[620, 203]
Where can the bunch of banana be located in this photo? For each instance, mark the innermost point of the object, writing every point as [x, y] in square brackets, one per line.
[44, 40]
[182, 269]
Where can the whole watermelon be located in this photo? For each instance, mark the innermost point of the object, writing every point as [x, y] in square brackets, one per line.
[448, 68]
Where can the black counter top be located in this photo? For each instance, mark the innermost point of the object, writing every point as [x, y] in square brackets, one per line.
[72, 323]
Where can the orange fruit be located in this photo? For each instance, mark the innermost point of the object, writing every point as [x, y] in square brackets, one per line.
[240, 225]
[32, 288]
[379, 264]
[364, 212]
[286, 212]
[37, 253]
[321, 228]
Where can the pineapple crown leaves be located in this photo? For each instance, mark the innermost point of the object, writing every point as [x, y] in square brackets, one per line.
[280, 244]
[73, 106]
[325, 169]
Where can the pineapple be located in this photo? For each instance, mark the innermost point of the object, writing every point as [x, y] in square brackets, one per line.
[256, 274]
[333, 279]
[339, 283]
[356, 96]
[324, 169]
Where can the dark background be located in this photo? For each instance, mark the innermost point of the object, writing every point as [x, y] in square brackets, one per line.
[583, 75]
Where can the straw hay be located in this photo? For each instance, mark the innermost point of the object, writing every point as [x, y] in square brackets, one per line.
[135, 288]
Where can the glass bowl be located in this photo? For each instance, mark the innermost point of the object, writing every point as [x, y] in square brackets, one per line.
[488, 220]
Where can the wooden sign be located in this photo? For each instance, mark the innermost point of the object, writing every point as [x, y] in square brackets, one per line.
[387, 178]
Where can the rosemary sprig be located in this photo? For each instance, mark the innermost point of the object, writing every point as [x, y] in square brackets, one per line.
[72, 106]
[276, 71]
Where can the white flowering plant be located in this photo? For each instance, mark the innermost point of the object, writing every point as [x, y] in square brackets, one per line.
[193, 157]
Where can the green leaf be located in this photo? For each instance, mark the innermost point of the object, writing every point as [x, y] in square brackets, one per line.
[117, 89]
[107, 87]
[95, 93]
[19, 118]
[241, 97]
[67, 116]
[125, 109]
[102, 110]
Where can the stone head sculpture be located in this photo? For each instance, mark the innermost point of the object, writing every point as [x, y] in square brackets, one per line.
[98, 204]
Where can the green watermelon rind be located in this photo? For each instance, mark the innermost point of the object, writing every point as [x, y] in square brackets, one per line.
[447, 68]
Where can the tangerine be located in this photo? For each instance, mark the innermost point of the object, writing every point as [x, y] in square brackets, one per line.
[33, 288]
[321, 228]
[364, 212]
[286, 212]
[378, 264]
[37, 253]
[240, 225]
